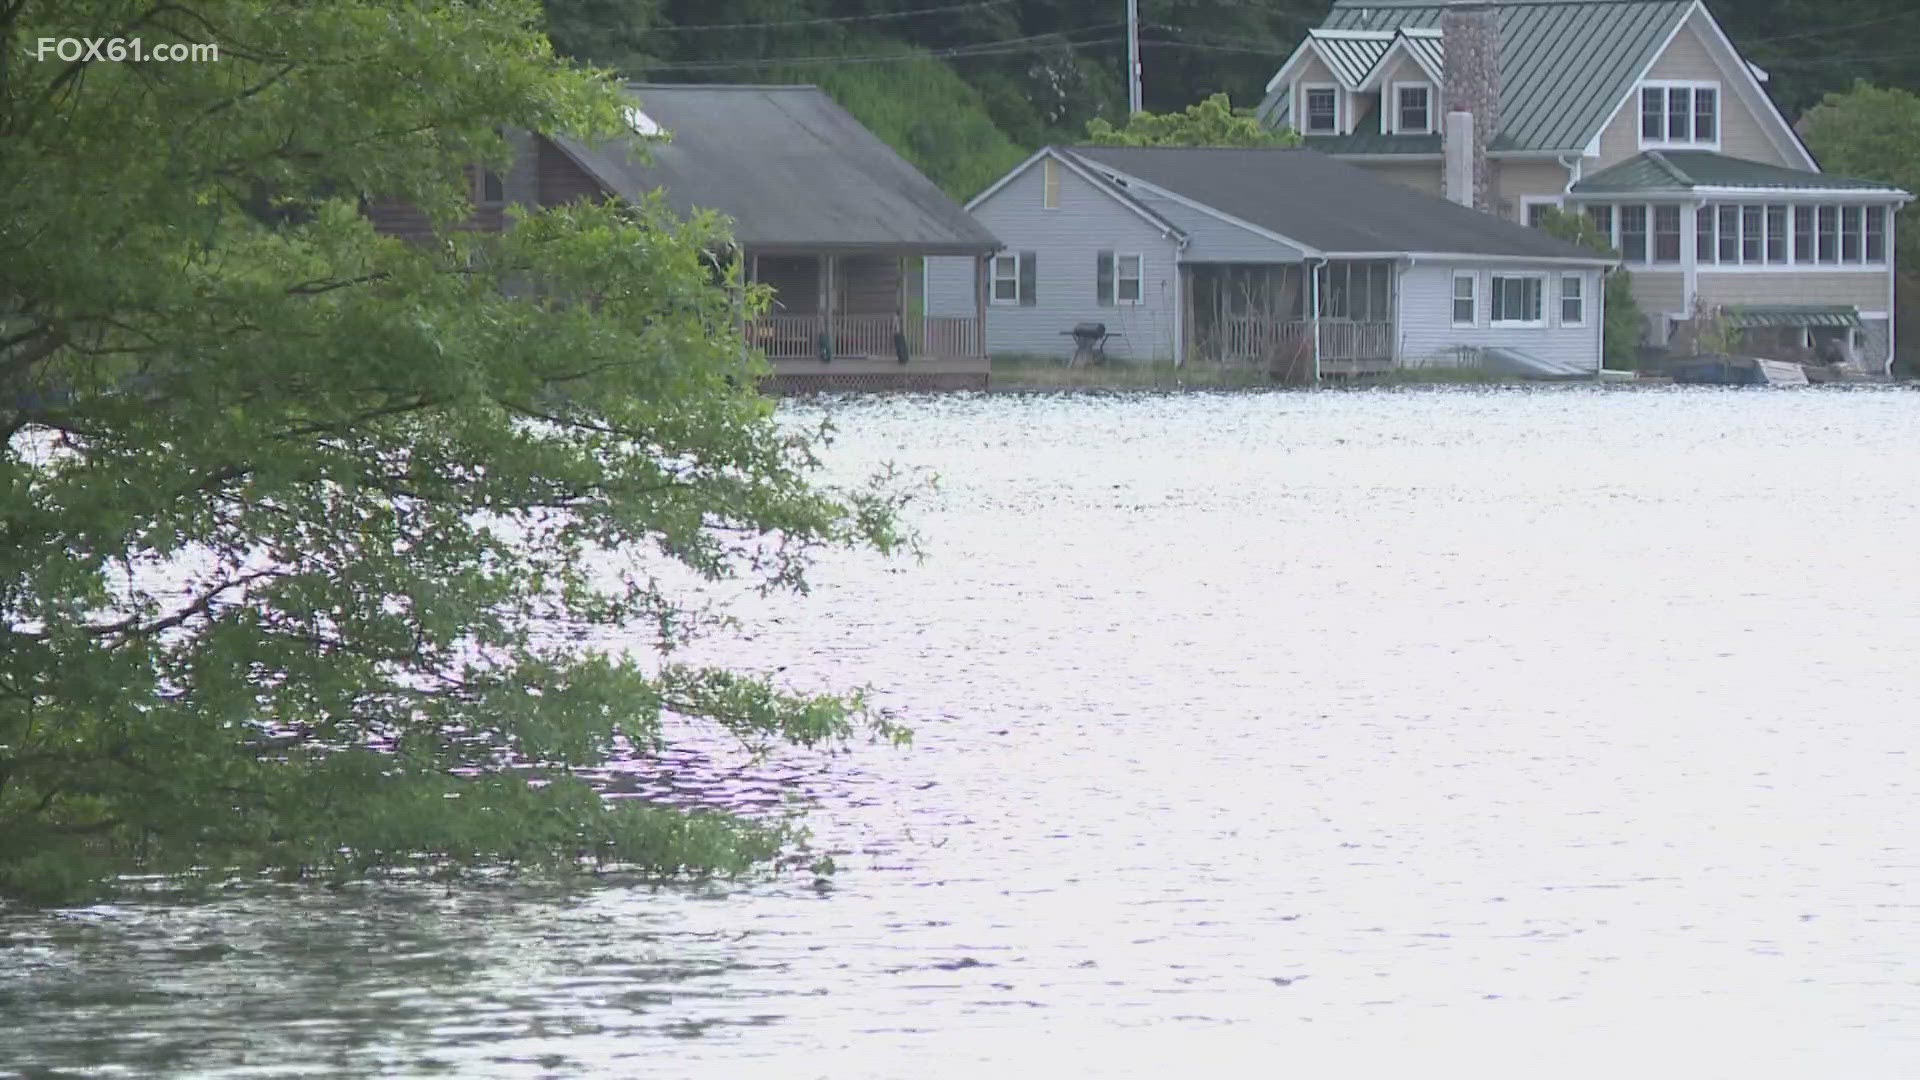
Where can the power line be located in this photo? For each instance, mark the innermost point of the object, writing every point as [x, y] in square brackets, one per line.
[1832, 29]
[762, 25]
[1030, 43]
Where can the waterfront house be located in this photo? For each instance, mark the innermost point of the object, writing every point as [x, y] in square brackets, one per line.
[1640, 112]
[1285, 257]
[823, 211]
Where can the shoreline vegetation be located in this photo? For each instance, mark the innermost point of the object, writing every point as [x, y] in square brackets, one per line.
[1025, 374]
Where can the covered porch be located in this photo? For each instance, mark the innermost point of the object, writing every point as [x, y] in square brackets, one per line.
[1264, 314]
[851, 313]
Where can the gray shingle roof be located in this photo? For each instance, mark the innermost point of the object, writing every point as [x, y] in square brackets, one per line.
[791, 167]
[1565, 64]
[1326, 204]
[1669, 170]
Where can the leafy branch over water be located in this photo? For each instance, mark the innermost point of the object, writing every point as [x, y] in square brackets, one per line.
[324, 552]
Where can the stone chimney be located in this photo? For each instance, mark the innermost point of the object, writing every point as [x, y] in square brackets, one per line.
[1470, 38]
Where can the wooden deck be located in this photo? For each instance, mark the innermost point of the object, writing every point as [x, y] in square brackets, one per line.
[863, 374]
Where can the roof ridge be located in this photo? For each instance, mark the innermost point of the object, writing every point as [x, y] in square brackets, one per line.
[1679, 175]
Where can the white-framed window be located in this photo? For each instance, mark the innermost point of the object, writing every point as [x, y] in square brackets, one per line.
[1679, 114]
[1464, 298]
[1127, 274]
[1319, 108]
[1006, 278]
[1645, 232]
[1534, 207]
[1666, 233]
[1633, 233]
[1876, 234]
[1573, 300]
[1518, 300]
[1413, 108]
[1049, 184]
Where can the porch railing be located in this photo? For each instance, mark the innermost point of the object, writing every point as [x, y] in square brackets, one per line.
[1257, 340]
[786, 337]
[948, 335]
[797, 337]
[864, 335]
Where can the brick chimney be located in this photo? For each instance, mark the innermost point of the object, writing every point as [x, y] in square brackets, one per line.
[1470, 39]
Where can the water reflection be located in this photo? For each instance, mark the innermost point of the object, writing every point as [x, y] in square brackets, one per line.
[1556, 733]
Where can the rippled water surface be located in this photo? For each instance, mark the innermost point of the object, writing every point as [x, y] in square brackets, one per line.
[1514, 734]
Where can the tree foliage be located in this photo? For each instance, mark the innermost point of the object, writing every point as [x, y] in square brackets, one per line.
[321, 550]
[1213, 122]
[1624, 325]
[1871, 133]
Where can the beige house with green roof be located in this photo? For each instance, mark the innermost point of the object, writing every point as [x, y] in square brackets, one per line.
[1639, 112]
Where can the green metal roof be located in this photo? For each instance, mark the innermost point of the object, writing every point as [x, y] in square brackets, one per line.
[1565, 65]
[1351, 56]
[1667, 170]
[1751, 316]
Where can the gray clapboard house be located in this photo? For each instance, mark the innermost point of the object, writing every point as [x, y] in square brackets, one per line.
[823, 212]
[1284, 257]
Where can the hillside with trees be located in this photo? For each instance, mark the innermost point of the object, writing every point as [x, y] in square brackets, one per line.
[965, 87]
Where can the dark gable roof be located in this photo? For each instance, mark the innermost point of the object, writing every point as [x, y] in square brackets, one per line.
[1565, 65]
[1326, 204]
[789, 166]
[1669, 170]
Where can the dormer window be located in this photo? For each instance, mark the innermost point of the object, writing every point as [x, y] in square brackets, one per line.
[1322, 112]
[1680, 114]
[1413, 108]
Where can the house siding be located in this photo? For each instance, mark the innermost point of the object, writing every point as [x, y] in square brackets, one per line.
[560, 180]
[1864, 290]
[1516, 180]
[1426, 330]
[1689, 57]
[1660, 293]
[1067, 242]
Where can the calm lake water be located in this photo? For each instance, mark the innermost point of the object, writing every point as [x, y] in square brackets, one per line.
[1495, 734]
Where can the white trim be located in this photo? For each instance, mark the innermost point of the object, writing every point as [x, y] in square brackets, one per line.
[1464, 256]
[1768, 194]
[1751, 91]
[1140, 269]
[1561, 298]
[1050, 183]
[1301, 91]
[1371, 84]
[1167, 228]
[1742, 80]
[1393, 92]
[1472, 277]
[1494, 321]
[1558, 202]
[994, 279]
[1279, 77]
[1668, 86]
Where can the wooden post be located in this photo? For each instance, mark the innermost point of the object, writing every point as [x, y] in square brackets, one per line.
[826, 303]
[1183, 339]
[980, 266]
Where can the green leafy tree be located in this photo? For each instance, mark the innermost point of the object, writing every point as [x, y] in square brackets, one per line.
[1872, 133]
[1624, 324]
[321, 551]
[928, 114]
[1213, 122]
[616, 34]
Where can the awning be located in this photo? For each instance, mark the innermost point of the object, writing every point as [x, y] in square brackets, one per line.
[1749, 316]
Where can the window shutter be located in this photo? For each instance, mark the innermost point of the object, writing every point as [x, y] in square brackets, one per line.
[1103, 278]
[1027, 264]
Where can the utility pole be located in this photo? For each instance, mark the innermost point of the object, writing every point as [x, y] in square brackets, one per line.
[1133, 57]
